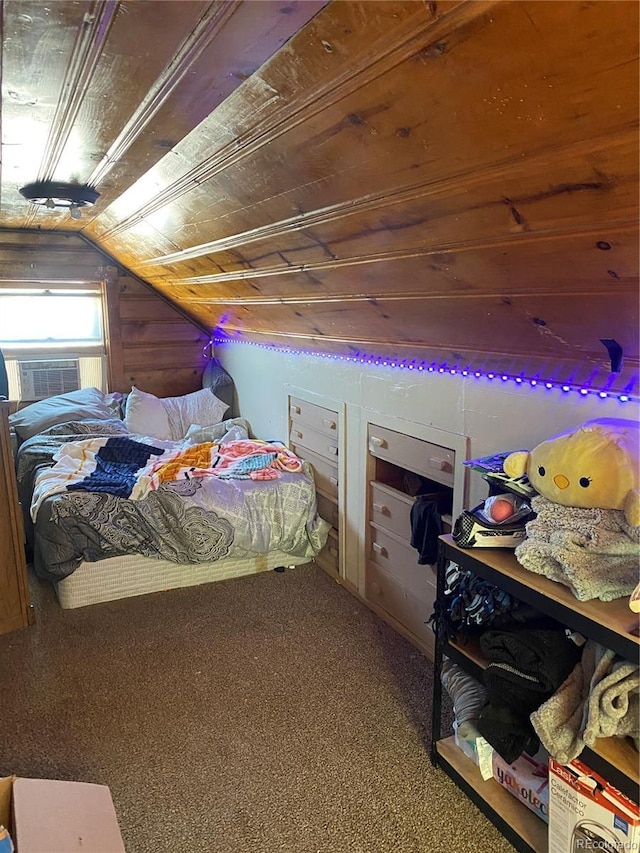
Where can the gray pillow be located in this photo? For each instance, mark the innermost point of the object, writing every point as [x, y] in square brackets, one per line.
[217, 378]
[74, 406]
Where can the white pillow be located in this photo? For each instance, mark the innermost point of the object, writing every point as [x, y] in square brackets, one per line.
[202, 408]
[144, 414]
[171, 417]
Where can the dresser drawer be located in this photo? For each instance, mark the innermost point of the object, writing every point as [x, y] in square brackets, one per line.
[328, 510]
[432, 461]
[317, 417]
[400, 560]
[391, 509]
[318, 442]
[324, 473]
[329, 557]
[410, 610]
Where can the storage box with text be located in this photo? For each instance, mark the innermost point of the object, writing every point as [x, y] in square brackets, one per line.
[527, 778]
[587, 813]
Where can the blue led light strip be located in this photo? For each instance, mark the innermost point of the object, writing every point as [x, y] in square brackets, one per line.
[435, 367]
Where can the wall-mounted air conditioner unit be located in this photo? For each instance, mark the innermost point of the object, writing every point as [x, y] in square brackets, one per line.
[45, 378]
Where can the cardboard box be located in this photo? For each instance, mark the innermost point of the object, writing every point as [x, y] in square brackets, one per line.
[527, 779]
[46, 815]
[587, 813]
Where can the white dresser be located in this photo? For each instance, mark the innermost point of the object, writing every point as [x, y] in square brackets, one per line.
[401, 467]
[314, 435]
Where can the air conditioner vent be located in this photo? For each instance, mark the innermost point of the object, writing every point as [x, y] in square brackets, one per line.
[41, 379]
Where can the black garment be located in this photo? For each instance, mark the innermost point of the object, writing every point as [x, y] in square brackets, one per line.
[426, 526]
[526, 667]
[508, 732]
[548, 656]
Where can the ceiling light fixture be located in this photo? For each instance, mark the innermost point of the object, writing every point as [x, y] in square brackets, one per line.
[52, 194]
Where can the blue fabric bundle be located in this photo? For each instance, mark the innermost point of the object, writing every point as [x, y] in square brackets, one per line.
[117, 463]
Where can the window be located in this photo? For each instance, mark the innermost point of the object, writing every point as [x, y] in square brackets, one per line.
[48, 319]
[52, 338]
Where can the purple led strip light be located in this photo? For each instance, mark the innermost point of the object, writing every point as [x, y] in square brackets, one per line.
[434, 367]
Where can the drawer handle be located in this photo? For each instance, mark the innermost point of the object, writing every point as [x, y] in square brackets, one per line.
[333, 481]
[440, 464]
[299, 434]
[375, 588]
[380, 549]
[376, 441]
[332, 449]
[295, 410]
[328, 423]
[382, 509]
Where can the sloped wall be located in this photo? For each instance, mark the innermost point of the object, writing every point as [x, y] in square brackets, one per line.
[453, 181]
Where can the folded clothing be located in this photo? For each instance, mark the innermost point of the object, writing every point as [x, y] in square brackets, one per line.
[472, 604]
[526, 666]
[542, 658]
[593, 551]
[467, 693]
[507, 731]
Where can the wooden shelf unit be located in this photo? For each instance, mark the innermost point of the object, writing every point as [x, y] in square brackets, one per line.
[612, 624]
[525, 830]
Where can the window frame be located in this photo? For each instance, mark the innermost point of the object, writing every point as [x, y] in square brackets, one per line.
[55, 349]
[85, 353]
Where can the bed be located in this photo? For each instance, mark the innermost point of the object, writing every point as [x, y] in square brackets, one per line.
[112, 511]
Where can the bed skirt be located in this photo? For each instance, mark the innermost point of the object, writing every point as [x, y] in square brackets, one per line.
[130, 575]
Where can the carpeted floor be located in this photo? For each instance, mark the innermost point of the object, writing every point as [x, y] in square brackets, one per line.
[267, 714]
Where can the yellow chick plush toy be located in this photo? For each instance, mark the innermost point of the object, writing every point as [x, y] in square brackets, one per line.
[596, 464]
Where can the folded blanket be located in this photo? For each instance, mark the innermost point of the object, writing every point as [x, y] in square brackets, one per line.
[613, 709]
[598, 699]
[594, 552]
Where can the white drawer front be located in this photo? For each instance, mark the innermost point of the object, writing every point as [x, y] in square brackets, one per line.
[432, 461]
[391, 509]
[408, 609]
[317, 417]
[328, 510]
[325, 474]
[401, 561]
[318, 442]
[329, 557]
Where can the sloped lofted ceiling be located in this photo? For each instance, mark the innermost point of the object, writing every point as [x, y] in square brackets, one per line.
[446, 180]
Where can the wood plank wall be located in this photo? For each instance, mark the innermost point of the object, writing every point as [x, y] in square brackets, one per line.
[150, 343]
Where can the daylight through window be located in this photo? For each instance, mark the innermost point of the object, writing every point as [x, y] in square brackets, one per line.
[52, 339]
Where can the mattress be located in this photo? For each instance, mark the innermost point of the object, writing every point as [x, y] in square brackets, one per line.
[131, 575]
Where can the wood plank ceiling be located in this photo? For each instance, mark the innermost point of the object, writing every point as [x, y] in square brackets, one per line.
[447, 180]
